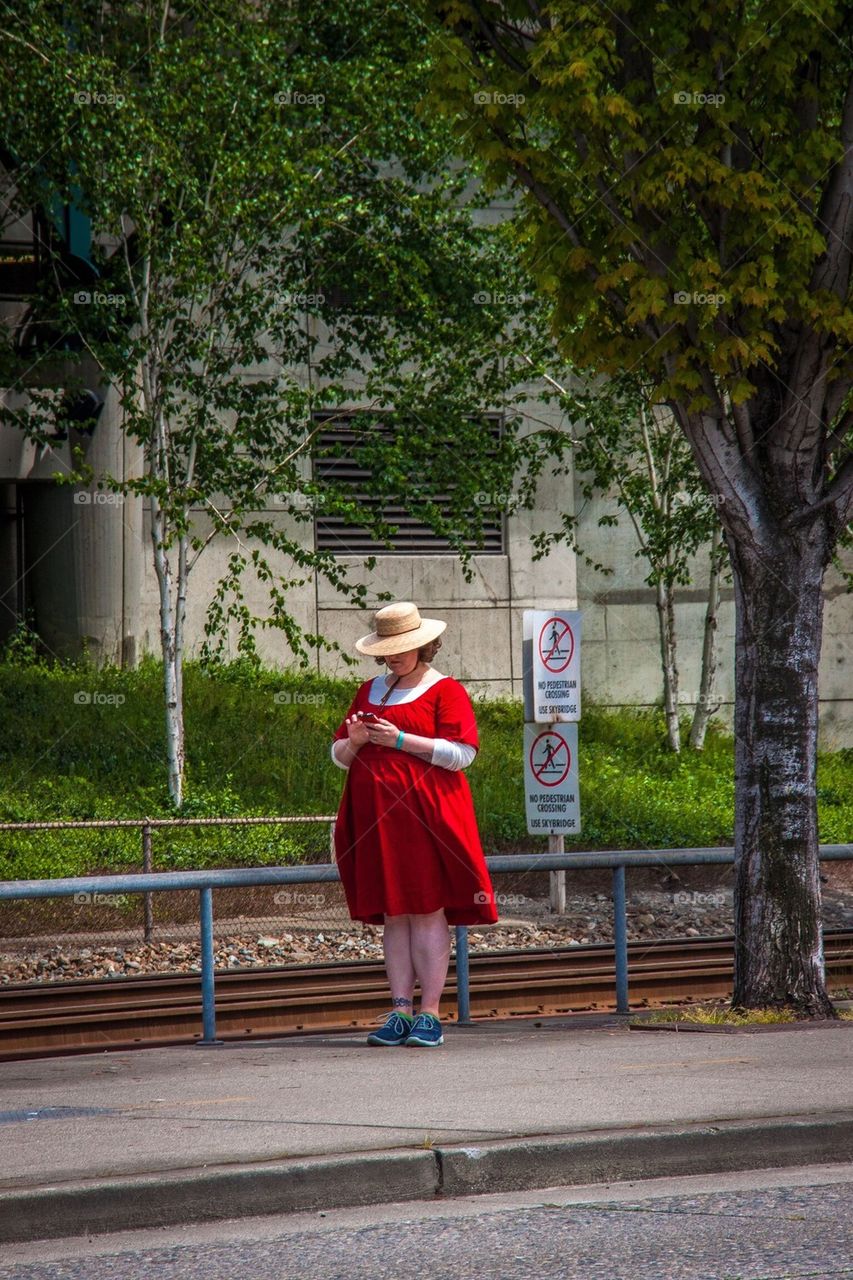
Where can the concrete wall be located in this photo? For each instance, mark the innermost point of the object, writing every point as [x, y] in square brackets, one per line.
[482, 644]
[90, 582]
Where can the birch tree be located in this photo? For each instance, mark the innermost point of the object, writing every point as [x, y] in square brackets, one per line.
[272, 237]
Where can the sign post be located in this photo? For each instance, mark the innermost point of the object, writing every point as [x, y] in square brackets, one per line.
[551, 684]
[557, 886]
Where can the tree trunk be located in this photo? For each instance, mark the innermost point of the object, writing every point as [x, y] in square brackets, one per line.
[779, 615]
[704, 710]
[666, 627]
[171, 661]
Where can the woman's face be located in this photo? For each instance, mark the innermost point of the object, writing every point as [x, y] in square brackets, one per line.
[402, 664]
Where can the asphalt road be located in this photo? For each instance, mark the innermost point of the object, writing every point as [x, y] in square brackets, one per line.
[791, 1224]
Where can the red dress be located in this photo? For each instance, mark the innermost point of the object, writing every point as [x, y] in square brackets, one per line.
[406, 839]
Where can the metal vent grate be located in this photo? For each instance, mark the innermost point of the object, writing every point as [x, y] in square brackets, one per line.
[413, 536]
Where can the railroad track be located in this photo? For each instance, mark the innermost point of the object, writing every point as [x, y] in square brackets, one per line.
[38, 1019]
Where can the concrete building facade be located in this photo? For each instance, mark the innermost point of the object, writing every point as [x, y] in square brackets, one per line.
[78, 565]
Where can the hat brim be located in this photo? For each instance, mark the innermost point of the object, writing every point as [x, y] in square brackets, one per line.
[378, 646]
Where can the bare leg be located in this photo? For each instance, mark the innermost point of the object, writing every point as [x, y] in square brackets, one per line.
[430, 951]
[396, 943]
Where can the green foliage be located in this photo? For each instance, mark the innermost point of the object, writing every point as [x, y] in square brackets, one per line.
[269, 232]
[22, 648]
[835, 795]
[260, 746]
[686, 149]
[634, 792]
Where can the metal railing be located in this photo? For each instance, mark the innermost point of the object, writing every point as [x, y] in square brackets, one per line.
[146, 827]
[206, 881]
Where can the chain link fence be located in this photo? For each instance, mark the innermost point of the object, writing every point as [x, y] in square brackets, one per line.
[120, 932]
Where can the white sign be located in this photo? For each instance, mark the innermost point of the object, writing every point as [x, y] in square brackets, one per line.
[551, 793]
[551, 642]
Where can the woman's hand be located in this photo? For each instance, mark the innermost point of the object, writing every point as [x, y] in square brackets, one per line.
[357, 731]
[381, 732]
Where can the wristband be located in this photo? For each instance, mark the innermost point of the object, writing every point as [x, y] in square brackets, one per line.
[399, 743]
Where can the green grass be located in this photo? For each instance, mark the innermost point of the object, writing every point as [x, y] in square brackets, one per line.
[723, 1015]
[251, 754]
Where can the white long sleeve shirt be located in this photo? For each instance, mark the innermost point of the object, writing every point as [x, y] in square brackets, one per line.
[446, 754]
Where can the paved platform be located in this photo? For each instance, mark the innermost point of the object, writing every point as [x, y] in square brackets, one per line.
[112, 1140]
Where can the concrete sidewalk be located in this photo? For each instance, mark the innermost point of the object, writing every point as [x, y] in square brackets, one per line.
[109, 1141]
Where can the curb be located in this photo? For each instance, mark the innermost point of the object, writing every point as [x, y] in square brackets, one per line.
[662, 1151]
[328, 1182]
[123, 1203]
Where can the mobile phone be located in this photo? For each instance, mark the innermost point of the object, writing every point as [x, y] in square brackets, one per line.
[369, 718]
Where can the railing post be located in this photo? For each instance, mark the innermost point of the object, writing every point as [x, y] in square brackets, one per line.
[147, 899]
[208, 999]
[463, 986]
[620, 939]
[556, 844]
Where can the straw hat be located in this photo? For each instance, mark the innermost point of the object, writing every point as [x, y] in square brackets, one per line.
[397, 628]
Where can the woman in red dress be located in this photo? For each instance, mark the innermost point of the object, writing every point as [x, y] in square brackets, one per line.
[406, 839]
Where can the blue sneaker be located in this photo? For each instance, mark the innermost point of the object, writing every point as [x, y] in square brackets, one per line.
[426, 1031]
[395, 1029]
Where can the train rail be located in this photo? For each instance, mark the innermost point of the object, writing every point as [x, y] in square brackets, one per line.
[81, 1016]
